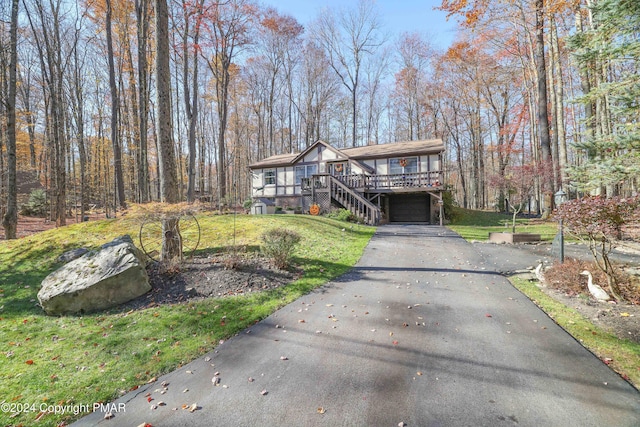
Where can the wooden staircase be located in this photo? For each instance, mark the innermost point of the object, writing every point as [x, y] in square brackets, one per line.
[351, 199]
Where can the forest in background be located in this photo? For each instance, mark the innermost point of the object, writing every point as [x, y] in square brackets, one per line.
[534, 96]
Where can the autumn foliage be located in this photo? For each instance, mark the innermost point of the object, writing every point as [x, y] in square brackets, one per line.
[600, 222]
[599, 217]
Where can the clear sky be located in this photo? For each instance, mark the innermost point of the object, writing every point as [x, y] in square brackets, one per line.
[398, 16]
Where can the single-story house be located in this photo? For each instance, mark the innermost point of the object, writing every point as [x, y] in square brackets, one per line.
[397, 182]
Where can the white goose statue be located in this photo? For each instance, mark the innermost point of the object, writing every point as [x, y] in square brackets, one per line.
[597, 292]
[539, 272]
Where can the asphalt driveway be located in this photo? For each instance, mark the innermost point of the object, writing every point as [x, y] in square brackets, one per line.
[423, 331]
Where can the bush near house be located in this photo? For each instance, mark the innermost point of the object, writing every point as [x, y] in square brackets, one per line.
[599, 222]
[278, 245]
[342, 215]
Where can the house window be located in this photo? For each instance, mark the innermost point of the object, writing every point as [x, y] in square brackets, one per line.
[402, 165]
[305, 171]
[270, 177]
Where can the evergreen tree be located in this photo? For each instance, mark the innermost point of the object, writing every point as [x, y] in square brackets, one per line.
[608, 52]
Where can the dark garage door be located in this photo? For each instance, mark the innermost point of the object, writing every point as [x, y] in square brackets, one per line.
[409, 208]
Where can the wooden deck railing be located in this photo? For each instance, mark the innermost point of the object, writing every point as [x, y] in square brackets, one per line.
[353, 201]
[402, 180]
[378, 182]
[348, 190]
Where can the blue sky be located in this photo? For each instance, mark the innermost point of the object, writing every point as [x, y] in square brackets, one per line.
[398, 16]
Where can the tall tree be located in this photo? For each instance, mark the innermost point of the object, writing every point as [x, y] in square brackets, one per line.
[10, 219]
[278, 33]
[319, 89]
[609, 52]
[171, 247]
[348, 40]
[559, 105]
[191, 96]
[115, 111]
[29, 112]
[409, 89]
[46, 34]
[543, 114]
[142, 27]
[228, 27]
[76, 97]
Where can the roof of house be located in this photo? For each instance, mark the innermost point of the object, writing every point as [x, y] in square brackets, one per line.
[264, 200]
[279, 160]
[407, 148]
[395, 149]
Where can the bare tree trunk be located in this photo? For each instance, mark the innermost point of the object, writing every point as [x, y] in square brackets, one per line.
[222, 89]
[115, 110]
[348, 41]
[49, 46]
[585, 83]
[24, 91]
[563, 161]
[229, 22]
[131, 119]
[171, 247]
[10, 219]
[191, 104]
[553, 118]
[543, 115]
[77, 102]
[142, 15]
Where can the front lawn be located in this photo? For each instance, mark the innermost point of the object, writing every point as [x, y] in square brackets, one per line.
[476, 225]
[81, 360]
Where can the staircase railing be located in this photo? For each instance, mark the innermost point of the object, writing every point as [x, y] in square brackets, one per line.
[357, 204]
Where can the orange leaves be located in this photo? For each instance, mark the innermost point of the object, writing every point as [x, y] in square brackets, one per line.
[459, 51]
[471, 17]
[284, 26]
[453, 6]
[471, 12]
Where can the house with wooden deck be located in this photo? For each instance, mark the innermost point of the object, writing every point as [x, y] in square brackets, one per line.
[396, 182]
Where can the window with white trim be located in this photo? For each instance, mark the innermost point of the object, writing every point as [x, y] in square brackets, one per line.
[270, 177]
[400, 165]
[305, 171]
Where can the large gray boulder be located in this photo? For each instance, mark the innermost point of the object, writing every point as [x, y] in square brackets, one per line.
[96, 281]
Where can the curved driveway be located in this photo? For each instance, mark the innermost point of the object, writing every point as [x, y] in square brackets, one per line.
[420, 332]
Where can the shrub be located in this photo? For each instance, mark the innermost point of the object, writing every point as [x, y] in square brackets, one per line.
[342, 215]
[448, 205]
[598, 222]
[567, 279]
[278, 244]
[38, 205]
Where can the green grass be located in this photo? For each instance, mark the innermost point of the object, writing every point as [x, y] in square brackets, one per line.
[476, 225]
[624, 355]
[94, 358]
